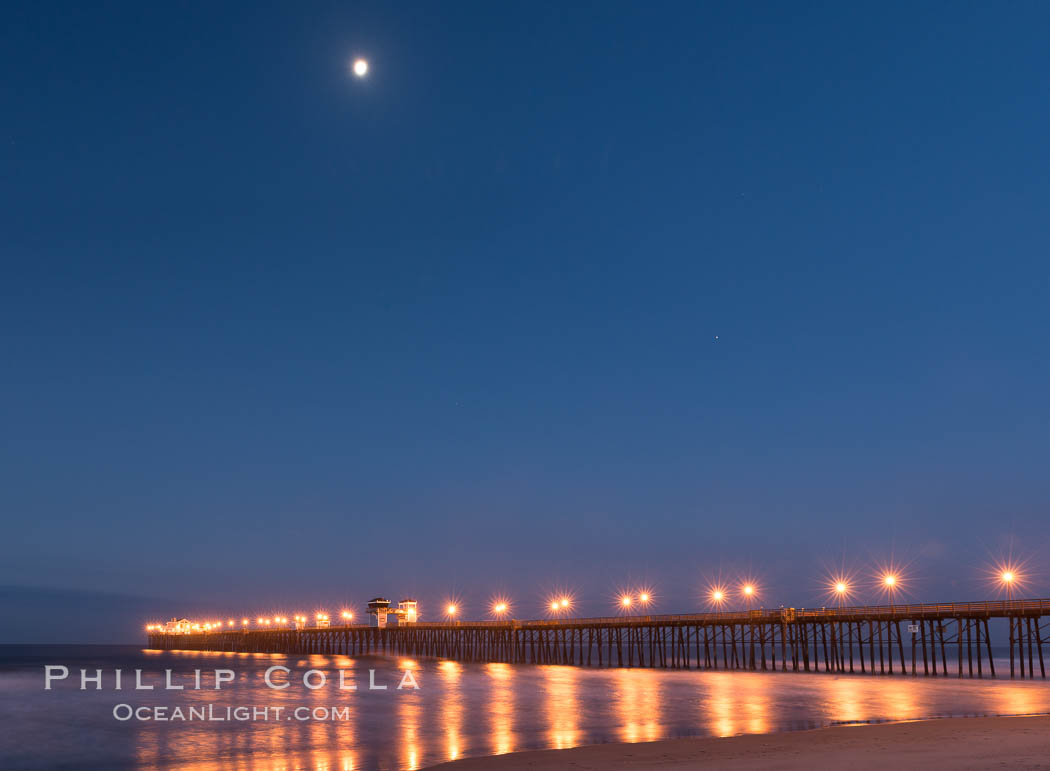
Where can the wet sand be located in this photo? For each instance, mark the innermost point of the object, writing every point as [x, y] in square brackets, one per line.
[988, 742]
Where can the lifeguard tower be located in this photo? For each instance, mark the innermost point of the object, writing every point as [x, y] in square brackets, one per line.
[379, 609]
[406, 611]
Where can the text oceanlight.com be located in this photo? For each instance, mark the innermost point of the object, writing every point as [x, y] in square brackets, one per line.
[213, 713]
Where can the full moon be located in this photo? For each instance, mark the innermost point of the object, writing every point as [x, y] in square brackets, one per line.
[360, 67]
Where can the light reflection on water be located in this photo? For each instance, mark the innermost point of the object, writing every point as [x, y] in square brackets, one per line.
[451, 707]
[460, 710]
[561, 705]
[636, 699]
[501, 707]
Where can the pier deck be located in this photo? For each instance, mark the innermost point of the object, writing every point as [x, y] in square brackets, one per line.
[929, 639]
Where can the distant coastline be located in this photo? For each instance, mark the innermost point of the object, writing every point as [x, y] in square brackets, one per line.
[55, 616]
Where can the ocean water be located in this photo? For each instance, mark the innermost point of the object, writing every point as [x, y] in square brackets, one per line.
[457, 710]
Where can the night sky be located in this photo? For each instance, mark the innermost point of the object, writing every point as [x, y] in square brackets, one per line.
[555, 298]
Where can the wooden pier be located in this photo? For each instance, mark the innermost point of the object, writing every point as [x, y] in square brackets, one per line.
[933, 640]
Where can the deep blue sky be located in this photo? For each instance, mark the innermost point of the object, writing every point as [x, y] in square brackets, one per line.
[557, 296]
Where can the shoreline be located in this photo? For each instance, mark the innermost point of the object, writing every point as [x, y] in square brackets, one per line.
[949, 743]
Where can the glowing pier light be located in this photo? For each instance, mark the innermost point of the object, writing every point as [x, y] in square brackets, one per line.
[624, 602]
[748, 590]
[841, 589]
[1008, 578]
[716, 597]
[347, 617]
[559, 604]
[644, 598]
[500, 608]
[451, 610]
[890, 582]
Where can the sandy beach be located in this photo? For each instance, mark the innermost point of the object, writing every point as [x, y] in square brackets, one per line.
[994, 742]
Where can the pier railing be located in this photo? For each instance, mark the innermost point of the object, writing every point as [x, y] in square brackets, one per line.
[841, 639]
[988, 609]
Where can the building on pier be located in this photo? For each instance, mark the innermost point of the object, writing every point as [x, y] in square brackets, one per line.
[178, 626]
[407, 611]
[379, 611]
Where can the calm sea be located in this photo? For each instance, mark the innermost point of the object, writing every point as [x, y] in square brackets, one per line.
[457, 710]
